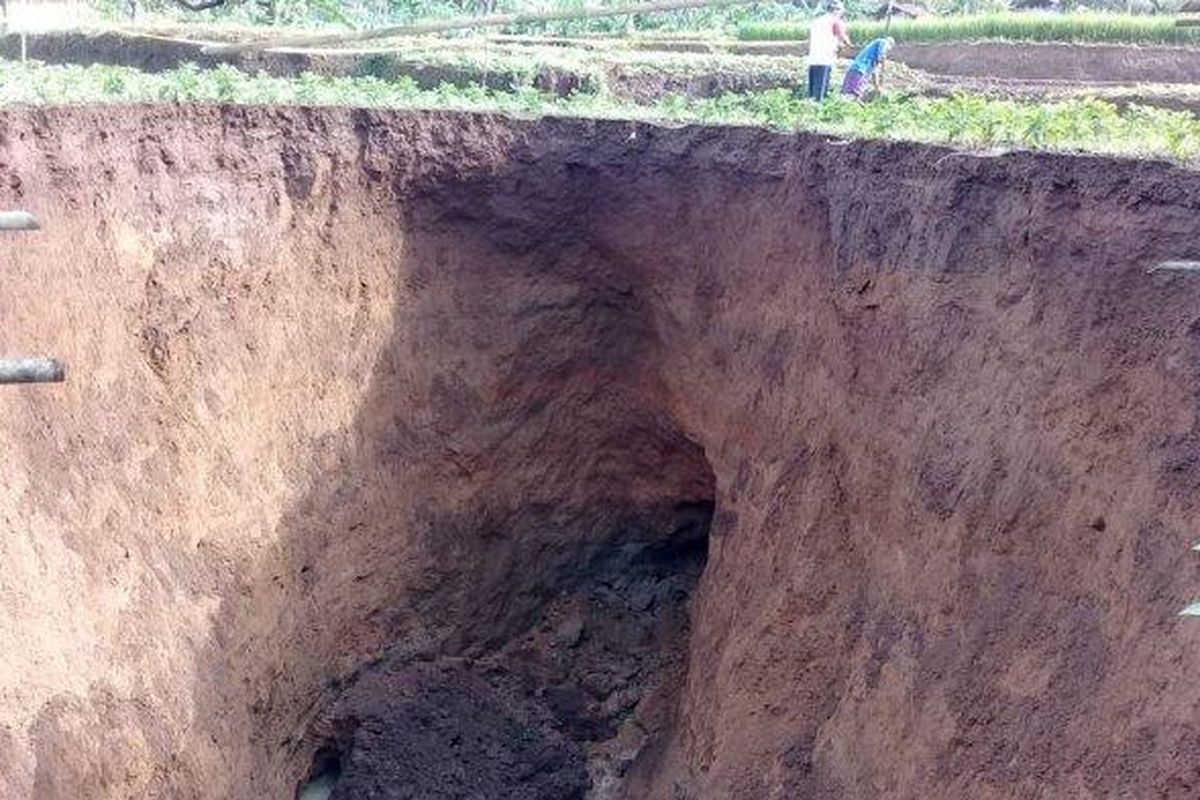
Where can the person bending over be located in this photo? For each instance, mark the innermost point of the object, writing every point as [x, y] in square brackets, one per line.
[868, 64]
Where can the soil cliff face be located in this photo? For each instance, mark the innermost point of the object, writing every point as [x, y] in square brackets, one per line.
[447, 453]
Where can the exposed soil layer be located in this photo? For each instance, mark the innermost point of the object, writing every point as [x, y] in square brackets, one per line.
[1049, 61]
[1172, 97]
[158, 54]
[149, 53]
[1029, 61]
[693, 463]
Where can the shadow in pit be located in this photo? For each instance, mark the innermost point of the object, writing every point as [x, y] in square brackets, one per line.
[486, 595]
[562, 708]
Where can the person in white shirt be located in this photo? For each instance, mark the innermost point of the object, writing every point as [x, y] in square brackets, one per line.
[825, 35]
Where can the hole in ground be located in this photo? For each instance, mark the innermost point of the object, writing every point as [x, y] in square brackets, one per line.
[561, 709]
[485, 582]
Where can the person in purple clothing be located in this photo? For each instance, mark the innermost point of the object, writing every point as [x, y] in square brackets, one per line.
[868, 64]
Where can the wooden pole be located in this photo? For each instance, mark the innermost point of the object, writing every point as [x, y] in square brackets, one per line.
[31, 370]
[460, 23]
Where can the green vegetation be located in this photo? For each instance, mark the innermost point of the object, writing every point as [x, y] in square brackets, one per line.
[362, 14]
[1023, 27]
[504, 66]
[961, 120]
[968, 120]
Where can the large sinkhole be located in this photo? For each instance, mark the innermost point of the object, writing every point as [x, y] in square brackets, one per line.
[427, 455]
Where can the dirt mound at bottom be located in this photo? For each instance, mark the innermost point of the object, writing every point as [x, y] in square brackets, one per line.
[560, 710]
[446, 730]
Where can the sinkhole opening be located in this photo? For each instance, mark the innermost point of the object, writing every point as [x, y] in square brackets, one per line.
[568, 705]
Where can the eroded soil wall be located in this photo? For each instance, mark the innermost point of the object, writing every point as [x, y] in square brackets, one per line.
[1100, 63]
[365, 398]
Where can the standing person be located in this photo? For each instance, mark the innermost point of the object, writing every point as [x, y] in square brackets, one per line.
[868, 64]
[824, 35]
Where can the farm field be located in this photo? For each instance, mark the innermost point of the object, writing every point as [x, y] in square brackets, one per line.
[1118, 126]
[970, 95]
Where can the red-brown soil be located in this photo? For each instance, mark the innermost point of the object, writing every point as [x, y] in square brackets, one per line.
[1025, 61]
[1101, 63]
[392, 440]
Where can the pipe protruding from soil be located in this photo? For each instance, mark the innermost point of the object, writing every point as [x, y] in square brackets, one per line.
[32, 370]
[18, 221]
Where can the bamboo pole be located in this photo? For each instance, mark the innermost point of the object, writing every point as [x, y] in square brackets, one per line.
[460, 23]
[31, 370]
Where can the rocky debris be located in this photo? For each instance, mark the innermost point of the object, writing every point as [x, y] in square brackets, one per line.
[449, 730]
[569, 632]
[552, 714]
